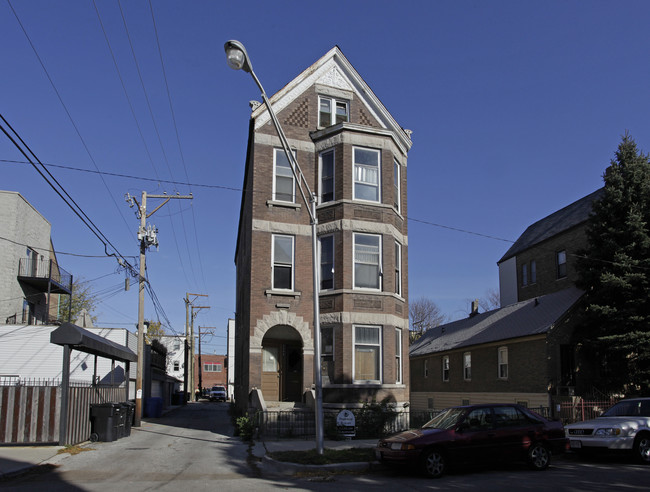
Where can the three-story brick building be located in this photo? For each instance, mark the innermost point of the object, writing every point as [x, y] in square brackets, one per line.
[354, 156]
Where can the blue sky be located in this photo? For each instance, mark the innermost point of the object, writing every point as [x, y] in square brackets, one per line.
[516, 110]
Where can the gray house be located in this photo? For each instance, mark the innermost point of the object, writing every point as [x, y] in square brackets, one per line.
[31, 279]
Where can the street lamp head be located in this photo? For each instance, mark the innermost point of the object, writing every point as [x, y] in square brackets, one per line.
[237, 57]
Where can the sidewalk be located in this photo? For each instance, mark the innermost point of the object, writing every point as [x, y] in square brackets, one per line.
[261, 449]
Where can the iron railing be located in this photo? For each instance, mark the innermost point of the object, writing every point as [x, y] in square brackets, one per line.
[45, 269]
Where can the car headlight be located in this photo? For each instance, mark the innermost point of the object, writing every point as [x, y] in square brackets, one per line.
[398, 446]
[607, 432]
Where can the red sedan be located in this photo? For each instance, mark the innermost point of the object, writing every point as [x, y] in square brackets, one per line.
[476, 434]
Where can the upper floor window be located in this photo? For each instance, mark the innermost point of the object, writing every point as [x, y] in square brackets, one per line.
[503, 362]
[367, 261]
[367, 175]
[283, 255]
[445, 368]
[397, 199]
[561, 264]
[284, 184]
[326, 169]
[212, 367]
[467, 366]
[332, 111]
[177, 344]
[398, 268]
[177, 366]
[533, 271]
[524, 274]
[326, 262]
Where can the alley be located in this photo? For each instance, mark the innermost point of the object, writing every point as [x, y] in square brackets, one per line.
[191, 447]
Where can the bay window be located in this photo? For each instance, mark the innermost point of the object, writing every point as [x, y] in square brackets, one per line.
[367, 261]
[367, 353]
[367, 174]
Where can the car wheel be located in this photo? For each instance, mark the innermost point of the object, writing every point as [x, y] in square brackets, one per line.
[434, 463]
[642, 448]
[539, 456]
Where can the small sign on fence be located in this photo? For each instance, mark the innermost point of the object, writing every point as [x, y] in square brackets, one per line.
[345, 423]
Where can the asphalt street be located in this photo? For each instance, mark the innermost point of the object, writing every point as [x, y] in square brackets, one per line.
[193, 448]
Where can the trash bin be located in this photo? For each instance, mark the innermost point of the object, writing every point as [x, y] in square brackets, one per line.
[129, 411]
[105, 421]
[153, 407]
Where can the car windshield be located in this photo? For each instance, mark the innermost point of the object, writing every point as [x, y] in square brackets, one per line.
[447, 419]
[629, 408]
[217, 388]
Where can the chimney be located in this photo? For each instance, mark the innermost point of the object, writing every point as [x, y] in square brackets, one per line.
[474, 311]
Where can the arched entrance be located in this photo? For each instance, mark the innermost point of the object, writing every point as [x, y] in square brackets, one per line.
[282, 364]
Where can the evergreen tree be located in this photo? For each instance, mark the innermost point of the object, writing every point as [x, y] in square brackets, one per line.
[615, 273]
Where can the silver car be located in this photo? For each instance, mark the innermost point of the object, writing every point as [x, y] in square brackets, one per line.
[625, 426]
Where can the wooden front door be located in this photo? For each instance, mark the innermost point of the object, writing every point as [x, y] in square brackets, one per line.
[271, 372]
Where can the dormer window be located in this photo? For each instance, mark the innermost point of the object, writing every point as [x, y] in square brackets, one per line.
[332, 111]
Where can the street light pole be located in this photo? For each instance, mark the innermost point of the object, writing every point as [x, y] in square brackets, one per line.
[238, 59]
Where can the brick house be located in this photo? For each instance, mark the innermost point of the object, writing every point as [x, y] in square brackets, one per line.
[31, 280]
[214, 370]
[353, 154]
[526, 351]
[543, 258]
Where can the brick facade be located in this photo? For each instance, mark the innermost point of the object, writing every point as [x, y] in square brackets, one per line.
[274, 326]
[214, 370]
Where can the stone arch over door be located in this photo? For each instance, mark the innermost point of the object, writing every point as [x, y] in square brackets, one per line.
[282, 346]
[282, 318]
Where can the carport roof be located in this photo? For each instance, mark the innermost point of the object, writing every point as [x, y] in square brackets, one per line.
[86, 341]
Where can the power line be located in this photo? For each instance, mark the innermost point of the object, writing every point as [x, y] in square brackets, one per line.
[74, 125]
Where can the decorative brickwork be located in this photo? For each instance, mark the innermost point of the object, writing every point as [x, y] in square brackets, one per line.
[300, 116]
[364, 119]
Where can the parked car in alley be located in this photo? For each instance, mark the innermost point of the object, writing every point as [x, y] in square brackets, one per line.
[476, 434]
[625, 426]
[218, 393]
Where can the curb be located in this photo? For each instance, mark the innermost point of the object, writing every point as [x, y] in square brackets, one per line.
[287, 468]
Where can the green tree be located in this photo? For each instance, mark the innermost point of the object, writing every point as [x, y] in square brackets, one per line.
[154, 331]
[615, 273]
[82, 298]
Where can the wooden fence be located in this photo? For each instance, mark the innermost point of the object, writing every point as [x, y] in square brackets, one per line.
[30, 411]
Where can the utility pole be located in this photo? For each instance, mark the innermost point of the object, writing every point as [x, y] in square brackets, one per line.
[148, 237]
[200, 365]
[189, 333]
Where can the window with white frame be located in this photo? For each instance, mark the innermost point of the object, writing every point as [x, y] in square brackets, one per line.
[503, 362]
[367, 174]
[212, 367]
[561, 264]
[177, 366]
[533, 271]
[467, 366]
[445, 368]
[524, 274]
[326, 262]
[327, 353]
[332, 111]
[367, 261]
[367, 353]
[398, 355]
[397, 197]
[326, 170]
[283, 257]
[284, 184]
[398, 269]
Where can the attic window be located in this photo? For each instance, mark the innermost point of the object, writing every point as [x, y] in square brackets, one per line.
[332, 111]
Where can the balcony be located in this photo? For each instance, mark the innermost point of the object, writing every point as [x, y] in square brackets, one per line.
[45, 276]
